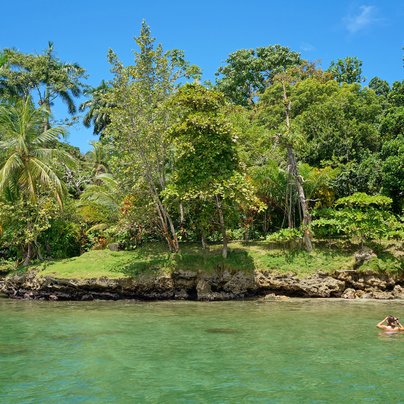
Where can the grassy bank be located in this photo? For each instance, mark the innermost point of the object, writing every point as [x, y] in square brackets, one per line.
[154, 257]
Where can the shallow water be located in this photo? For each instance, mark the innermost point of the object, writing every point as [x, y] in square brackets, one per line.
[306, 351]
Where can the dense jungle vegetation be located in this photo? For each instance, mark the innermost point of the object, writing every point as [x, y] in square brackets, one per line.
[275, 149]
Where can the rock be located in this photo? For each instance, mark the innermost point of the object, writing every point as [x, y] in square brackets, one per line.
[181, 274]
[322, 287]
[382, 295]
[203, 290]
[349, 293]
[362, 294]
[209, 288]
[28, 295]
[273, 296]
[240, 284]
[114, 246]
[289, 284]
[398, 292]
[181, 294]
[361, 280]
[184, 284]
[220, 285]
[269, 281]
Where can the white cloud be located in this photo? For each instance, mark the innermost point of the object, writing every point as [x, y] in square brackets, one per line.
[307, 47]
[365, 17]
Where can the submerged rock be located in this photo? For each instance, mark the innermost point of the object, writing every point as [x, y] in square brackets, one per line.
[222, 331]
[273, 296]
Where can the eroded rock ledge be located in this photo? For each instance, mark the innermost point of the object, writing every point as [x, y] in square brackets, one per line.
[221, 285]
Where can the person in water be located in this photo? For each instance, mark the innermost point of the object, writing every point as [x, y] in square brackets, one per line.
[393, 324]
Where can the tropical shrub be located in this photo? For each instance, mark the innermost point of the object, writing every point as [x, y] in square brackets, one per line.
[359, 216]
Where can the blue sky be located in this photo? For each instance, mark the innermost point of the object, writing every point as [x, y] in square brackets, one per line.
[207, 31]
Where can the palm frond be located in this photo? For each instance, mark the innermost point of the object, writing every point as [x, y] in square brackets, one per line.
[48, 178]
[68, 100]
[12, 165]
[29, 166]
[49, 135]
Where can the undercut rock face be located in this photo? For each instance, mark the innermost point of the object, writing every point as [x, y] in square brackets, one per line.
[220, 285]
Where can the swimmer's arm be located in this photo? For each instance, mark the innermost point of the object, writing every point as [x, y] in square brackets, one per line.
[380, 325]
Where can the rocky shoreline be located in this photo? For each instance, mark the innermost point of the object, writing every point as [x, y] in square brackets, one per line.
[221, 285]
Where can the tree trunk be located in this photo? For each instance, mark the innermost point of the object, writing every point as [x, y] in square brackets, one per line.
[203, 240]
[222, 227]
[182, 216]
[292, 166]
[167, 224]
[38, 250]
[28, 255]
[247, 233]
[302, 199]
[168, 228]
[290, 204]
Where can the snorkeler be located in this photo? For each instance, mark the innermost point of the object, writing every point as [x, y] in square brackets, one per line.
[393, 324]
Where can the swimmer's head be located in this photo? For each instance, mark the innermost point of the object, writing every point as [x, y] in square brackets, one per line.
[392, 321]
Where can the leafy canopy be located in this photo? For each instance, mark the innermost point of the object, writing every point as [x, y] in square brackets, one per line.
[248, 72]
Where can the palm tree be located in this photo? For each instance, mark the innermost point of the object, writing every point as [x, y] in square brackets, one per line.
[7, 89]
[50, 77]
[100, 202]
[97, 158]
[28, 162]
[96, 105]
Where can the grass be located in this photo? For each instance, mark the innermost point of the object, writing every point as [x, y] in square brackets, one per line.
[153, 258]
[92, 264]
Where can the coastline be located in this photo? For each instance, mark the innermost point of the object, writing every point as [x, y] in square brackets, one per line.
[207, 286]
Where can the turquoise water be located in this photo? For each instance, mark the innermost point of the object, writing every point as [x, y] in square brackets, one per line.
[298, 351]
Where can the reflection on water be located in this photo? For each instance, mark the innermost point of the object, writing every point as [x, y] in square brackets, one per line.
[387, 336]
[122, 352]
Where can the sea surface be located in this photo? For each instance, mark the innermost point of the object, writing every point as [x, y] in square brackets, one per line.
[295, 351]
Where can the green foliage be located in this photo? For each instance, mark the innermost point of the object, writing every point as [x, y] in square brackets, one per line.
[29, 163]
[359, 216]
[180, 162]
[62, 239]
[379, 86]
[248, 72]
[206, 169]
[340, 124]
[205, 145]
[97, 108]
[317, 183]
[385, 264]
[392, 123]
[102, 196]
[396, 95]
[347, 70]
[31, 171]
[140, 117]
[23, 221]
[364, 201]
[153, 258]
[45, 74]
[393, 171]
[286, 235]
[364, 176]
